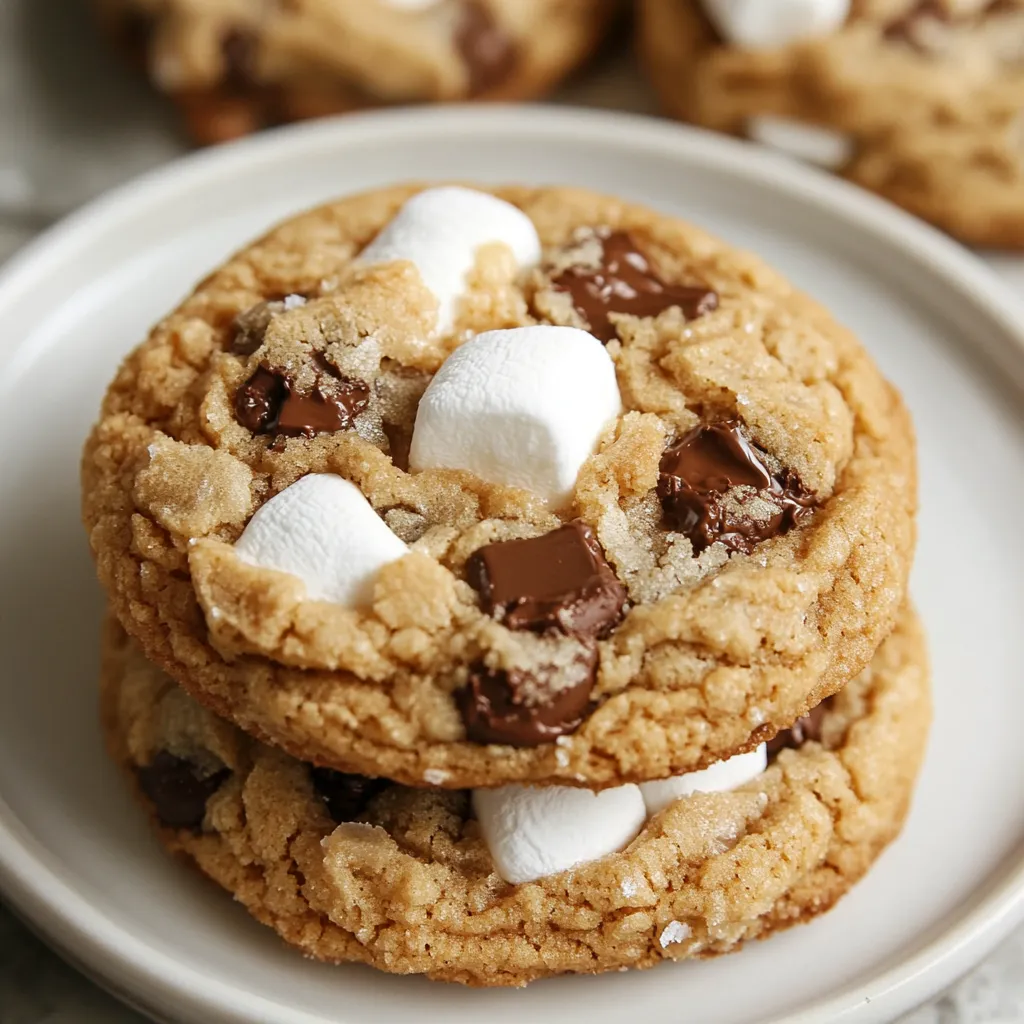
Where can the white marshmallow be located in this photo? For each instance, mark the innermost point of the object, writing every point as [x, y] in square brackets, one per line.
[324, 531]
[808, 142]
[718, 778]
[523, 407]
[440, 230]
[535, 832]
[766, 24]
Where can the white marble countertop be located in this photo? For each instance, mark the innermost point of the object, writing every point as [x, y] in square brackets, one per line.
[73, 124]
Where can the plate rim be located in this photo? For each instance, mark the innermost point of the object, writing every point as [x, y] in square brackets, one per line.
[84, 933]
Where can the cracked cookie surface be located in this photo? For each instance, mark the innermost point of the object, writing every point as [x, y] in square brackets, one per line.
[702, 649]
[233, 68]
[922, 100]
[372, 872]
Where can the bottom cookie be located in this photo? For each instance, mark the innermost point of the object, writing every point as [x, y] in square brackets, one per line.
[354, 869]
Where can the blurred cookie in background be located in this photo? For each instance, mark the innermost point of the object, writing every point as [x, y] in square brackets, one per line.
[918, 100]
[235, 66]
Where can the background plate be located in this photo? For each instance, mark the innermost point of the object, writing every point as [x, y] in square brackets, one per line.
[75, 855]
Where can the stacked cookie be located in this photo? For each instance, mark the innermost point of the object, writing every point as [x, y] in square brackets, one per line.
[918, 100]
[509, 583]
[234, 68]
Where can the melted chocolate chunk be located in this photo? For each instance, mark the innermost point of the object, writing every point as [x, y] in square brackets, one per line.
[557, 581]
[697, 476]
[625, 283]
[345, 795]
[489, 52]
[803, 730]
[268, 404]
[495, 707]
[178, 790]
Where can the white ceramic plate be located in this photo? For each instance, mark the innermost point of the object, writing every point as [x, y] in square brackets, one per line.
[75, 855]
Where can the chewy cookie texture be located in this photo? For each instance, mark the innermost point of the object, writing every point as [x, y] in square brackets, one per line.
[234, 68]
[464, 488]
[918, 100]
[439, 881]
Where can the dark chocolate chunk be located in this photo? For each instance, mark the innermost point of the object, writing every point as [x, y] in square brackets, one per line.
[346, 795]
[259, 399]
[489, 52]
[803, 730]
[268, 404]
[625, 283]
[502, 707]
[696, 490]
[556, 581]
[178, 789]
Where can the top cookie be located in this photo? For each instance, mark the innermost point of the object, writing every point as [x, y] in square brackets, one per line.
[919, 100]
[466, 488]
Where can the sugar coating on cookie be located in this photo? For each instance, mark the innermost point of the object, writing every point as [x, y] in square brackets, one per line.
[523, 407]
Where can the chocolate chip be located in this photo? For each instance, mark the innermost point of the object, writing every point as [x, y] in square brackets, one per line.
[803, 730]
[489, 52]
[178, 789]
[268, 404]
[258, 400]
[696, 488]
[345, 795]
[625, 283]
[556, 581]
[506, 707]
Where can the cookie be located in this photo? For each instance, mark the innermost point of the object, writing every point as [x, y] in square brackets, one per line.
[657, 506]
[918, 100]
[353, 869]
[234, 68]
